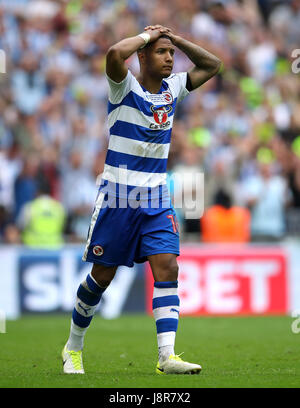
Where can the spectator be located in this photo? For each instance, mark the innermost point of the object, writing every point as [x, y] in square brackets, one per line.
[261, 55]
[9, 233]
[25, 188]
[220, 177]
[225, 223]
[42, 221]
[188, 181]
[266, 196]
[9, 169]
[294, 173]
[28, 85]
[78, 195]
[53, 100]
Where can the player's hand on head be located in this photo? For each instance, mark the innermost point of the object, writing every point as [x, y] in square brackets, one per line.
[157, 27]
[156, 31]
[154, 34]
[162, 30]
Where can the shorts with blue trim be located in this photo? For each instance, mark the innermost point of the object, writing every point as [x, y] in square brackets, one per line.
[122, 236]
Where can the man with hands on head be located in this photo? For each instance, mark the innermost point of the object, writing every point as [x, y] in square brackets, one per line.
[140, 118]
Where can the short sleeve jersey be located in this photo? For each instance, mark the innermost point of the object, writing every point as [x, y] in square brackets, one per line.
[140, 126]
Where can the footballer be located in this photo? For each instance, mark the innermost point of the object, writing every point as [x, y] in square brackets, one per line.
[127, 227]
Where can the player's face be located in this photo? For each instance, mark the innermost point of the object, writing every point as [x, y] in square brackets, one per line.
[159, 58]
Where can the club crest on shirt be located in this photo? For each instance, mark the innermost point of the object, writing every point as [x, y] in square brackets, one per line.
[98, 250]
[168, 97]
[160, 116]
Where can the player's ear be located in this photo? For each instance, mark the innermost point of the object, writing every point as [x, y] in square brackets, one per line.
[141, 56]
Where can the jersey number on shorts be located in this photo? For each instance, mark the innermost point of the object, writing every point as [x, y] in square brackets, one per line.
[174, 222]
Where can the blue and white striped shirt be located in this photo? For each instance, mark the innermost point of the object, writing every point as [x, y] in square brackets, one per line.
[140, 126]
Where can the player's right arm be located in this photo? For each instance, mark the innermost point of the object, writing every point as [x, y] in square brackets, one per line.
[116, 68]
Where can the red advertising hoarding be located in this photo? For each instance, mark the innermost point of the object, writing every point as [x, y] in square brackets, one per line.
[230, 281]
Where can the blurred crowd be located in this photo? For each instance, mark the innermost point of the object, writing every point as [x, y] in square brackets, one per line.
[241, 129]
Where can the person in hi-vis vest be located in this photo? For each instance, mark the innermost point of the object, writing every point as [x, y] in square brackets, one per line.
[42, 221]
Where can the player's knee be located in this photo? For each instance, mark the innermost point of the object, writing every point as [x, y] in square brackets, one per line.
[169, 271]
[103, 275]
[103, 281]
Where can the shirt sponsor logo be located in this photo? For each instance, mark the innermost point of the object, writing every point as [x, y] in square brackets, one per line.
[160, 116]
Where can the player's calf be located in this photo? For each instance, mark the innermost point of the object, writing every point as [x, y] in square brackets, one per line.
[88, 297]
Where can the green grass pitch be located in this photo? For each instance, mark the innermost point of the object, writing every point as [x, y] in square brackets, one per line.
[233, 351]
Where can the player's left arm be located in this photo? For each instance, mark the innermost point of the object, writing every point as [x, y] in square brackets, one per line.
[206, 64]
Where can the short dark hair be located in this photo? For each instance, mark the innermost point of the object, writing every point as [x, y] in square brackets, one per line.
[43, 186]
[165, 36]
[222, 198]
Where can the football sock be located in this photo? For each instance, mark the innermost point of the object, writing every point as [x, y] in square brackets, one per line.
[164, 352]
[88, 297]
[165, 305]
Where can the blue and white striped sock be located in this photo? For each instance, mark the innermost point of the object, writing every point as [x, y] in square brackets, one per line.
[165, 305]
[88, 296]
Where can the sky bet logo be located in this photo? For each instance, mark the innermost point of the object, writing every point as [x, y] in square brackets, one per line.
[2, 62]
